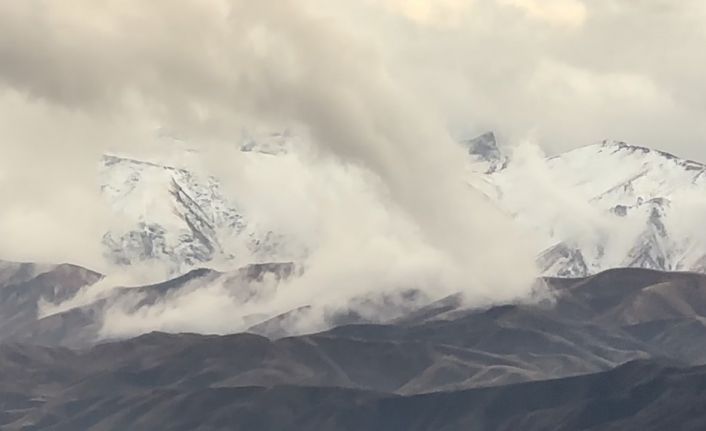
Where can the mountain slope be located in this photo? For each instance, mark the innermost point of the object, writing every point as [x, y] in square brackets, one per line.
[24, 286]
[639, 395]
[440, 366]
[177, 217]
[596, 207]
[604, 206]
[585, 325]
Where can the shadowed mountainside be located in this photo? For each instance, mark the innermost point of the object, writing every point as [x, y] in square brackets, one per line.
[639, 395]
[424, 370]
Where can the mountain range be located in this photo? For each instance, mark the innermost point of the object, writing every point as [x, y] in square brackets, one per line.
[617, 350]
[601, 206]
[613, 338]
[597, 207]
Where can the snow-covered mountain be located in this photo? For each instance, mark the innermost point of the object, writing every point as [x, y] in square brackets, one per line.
[602, 206]
[177, 217]
[596, 207]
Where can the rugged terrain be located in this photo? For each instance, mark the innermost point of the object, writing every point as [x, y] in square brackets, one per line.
[632, 339]
[639, 395]
[613, 337]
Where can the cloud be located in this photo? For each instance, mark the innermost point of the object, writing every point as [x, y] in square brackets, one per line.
[398, 215]
[196, 65]
[362, 252]
[570, 13]
[554, 205]
[504, 69]
[379, 89]
[430, 12]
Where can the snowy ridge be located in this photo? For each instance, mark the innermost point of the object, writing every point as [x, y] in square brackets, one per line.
[607, 205]
[174, 216]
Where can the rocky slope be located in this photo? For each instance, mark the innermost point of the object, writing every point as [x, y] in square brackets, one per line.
[624, 345]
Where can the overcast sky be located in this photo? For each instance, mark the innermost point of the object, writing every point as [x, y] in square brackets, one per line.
[562, 72]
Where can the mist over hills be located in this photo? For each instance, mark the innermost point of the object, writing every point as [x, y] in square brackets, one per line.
[426, 369]
[609, 327]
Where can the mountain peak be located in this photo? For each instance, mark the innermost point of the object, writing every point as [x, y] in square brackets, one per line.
[625, 148]
[484, 149]
[484, 145]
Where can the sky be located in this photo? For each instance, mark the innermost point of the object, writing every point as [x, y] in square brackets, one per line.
[562, 72]
[383, 88]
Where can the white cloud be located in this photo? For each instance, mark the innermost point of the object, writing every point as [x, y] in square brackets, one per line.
[570, 13]
[431, 12]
